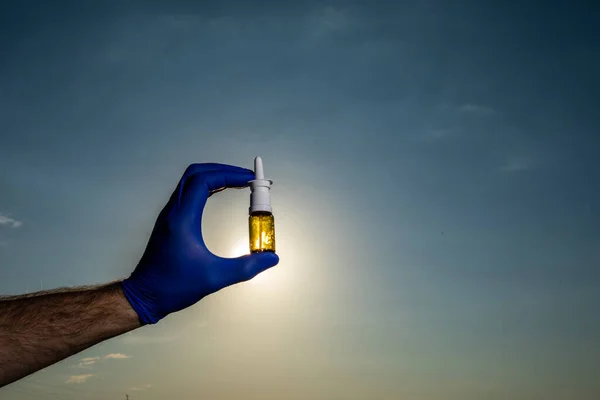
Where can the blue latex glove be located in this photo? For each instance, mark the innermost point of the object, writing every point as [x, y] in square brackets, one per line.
[177, 270]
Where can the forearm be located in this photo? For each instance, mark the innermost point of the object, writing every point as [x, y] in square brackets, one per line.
[39, 330]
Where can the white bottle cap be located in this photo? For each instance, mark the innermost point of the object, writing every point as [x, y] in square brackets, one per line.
[260, 197]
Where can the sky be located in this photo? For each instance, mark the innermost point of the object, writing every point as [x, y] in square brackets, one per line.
[435, 191]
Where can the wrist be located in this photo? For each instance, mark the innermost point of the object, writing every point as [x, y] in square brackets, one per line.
[124, 308]
[136, 301]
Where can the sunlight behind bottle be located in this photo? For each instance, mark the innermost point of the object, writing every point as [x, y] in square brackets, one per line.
[241, 248]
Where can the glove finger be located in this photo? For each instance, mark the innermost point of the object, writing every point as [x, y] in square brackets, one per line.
[206, 167]
[194, 169]
[219, 180]
[198, 188]
[246, 267]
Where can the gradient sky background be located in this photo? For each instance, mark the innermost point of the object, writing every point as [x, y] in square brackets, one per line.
[436, 191]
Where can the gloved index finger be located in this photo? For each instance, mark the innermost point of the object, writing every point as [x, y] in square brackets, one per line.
[218, 180]
[207, 167]
[199, 186]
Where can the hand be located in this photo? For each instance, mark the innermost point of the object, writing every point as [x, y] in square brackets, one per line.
[177, 270]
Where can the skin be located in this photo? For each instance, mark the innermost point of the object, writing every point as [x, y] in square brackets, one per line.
[40, 329]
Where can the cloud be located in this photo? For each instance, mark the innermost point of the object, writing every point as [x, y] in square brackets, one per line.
[438, 134]
[140, 388]
[79, 378]
[330, 20]
[6, 220]
[116, 356]
[516, 165]
[87, 362]
[137, 339]
[476, 109]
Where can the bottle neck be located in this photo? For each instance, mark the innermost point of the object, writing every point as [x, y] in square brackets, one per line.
[260, 213]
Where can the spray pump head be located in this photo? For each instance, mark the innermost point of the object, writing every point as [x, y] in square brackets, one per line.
[260, 196]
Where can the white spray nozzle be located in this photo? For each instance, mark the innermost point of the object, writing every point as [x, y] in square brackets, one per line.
[260, 198]
[259, 172]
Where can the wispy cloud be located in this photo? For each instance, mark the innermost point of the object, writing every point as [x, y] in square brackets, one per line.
[140, 388]
[477, 109]
[330, 20]
[438, 134]
[7, 220]
[117, 356]
[87, 362]
[516, 165]
[137, 339]
[79, 378]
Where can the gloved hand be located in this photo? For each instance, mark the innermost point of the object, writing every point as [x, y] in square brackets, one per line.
[177, 270]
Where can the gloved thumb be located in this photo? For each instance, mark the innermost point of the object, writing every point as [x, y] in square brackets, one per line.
[248, 266]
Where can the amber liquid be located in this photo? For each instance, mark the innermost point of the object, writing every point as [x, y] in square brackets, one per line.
[262, 231]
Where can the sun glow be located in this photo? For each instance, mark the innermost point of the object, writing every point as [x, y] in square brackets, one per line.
[242, 248]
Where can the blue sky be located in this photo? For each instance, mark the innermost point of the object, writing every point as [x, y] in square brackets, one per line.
[434, 165]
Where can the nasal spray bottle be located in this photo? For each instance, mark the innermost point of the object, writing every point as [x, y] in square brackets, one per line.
[261, 221]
